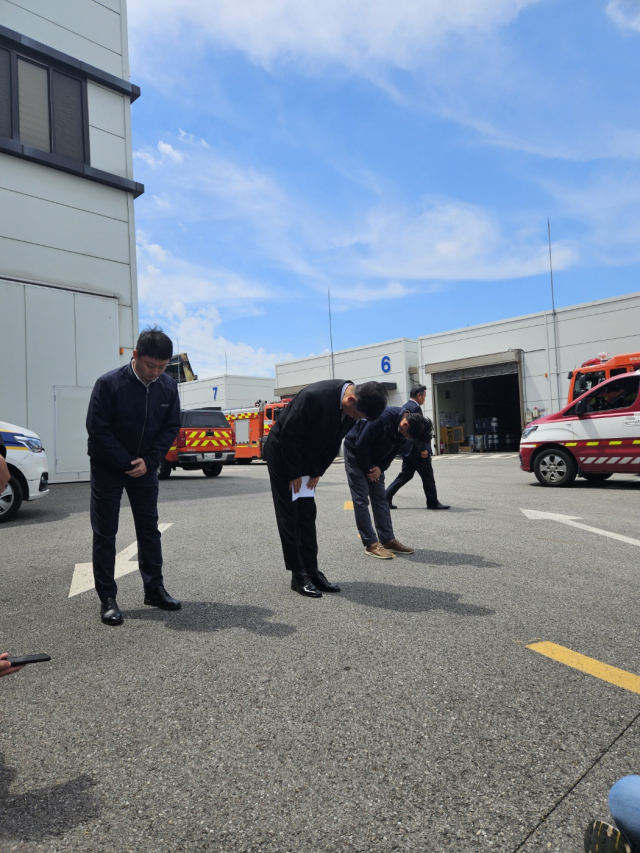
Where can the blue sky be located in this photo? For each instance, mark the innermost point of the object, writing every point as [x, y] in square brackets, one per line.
[405, 155]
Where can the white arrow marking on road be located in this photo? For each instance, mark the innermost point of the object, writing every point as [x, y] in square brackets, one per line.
[83, 572]
[571, 521]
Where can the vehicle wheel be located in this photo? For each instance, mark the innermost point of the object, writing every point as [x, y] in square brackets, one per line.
[245, 460]
[212, 470]
[164, 470]
[10, 500]
[596, 478]
[555, 467]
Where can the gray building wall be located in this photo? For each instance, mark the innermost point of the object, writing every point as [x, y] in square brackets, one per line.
[229, 391]
[68, 291]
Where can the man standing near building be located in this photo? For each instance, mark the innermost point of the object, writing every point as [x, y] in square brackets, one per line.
[419, 459]
[303, 442]
[133, 417]
[369, 449]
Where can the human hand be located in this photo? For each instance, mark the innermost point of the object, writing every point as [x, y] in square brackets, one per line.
[139, 468]
[295, 485]
[5, 476]
[313, 482]
[424, 454]
[5, 666]
[374, 474]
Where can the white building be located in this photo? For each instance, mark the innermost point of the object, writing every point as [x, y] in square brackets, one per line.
[394, 363]
[67, 238]
[229, 391]
[503, 371]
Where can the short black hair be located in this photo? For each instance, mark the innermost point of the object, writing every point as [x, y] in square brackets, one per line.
[371, 399]
[420, 428]
[417, 389]
[154, 343]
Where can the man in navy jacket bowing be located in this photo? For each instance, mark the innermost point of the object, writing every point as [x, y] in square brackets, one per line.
[369, 449]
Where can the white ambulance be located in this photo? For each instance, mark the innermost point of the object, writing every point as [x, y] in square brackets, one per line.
[27, 464]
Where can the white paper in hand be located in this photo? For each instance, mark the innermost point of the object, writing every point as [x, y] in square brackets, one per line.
[305, 491]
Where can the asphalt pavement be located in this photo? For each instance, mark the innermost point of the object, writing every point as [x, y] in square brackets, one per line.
[404, 714]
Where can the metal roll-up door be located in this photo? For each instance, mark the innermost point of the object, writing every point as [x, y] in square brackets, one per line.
[480, 372]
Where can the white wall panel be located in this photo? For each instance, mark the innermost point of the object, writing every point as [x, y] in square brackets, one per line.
[39, 28]
[57, 226]
[128, 334]
[106, 109]
[96, 329]
[40, 263]
[95, 22]
[32, 179]
[108, 152]
[69, 456]
[51, 355]
[13, 374]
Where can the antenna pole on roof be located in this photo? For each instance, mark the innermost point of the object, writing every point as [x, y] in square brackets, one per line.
[553, 314]
[333, 369]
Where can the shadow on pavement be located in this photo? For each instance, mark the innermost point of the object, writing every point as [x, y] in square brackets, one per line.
[211, 616]
[451, 558]
[49, 811]
[409, 599]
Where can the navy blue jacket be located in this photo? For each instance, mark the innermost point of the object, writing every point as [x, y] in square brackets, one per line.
[127, 420]
[412, 406]
[378, 442]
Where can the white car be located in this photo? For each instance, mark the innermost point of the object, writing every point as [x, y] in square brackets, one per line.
[28, 466]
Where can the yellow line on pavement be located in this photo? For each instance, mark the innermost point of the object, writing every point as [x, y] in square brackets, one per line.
[619, 677]
[348, 504]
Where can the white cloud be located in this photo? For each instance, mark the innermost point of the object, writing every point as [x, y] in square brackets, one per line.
[448, 240]
[347, 31]
[625, 13]
[170, 151]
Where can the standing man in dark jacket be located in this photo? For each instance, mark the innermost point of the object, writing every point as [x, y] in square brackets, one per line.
[419, 459]
[304, 441]
[133, 417]
[369, 449]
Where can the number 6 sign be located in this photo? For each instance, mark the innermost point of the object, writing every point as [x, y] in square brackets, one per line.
[386, 364]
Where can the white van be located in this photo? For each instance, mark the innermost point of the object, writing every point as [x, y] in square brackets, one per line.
[27, 464]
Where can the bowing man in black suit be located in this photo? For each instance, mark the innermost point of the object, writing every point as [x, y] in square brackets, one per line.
[419, 459]
[304, 441]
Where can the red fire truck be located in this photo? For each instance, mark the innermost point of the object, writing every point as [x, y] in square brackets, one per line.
[251, 428]
[204, 443]
[597, 370]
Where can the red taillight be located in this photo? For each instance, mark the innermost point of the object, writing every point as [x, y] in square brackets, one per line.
[182, 439]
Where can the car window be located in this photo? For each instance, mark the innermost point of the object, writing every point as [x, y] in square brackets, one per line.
[587, 381]
[199, 419]
[277, 412]
[615, 395]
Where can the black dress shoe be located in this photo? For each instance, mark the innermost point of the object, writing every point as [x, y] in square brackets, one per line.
[392, 505]
[320, 582]
[161, 598]
[302, 583]
[439, 506]
[110, 612]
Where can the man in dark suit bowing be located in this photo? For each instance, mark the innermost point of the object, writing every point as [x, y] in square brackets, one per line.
[303, 442]
[419, 459]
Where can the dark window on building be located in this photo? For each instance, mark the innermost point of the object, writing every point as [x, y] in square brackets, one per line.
[5, 93]
[33, 105]
[68, 135]
[50, 108]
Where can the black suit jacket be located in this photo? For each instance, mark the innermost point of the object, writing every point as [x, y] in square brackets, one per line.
[306, 437]
[379, 442]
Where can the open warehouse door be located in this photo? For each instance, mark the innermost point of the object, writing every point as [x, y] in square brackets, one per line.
[478, 403]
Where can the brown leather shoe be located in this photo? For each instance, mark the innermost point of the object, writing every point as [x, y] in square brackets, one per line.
[376, 550]
[398, 547]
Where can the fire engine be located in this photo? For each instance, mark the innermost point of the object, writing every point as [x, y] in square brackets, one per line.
[596, 370]
[251, 428]
[205, 443]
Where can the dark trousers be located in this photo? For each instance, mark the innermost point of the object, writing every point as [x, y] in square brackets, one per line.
[410, 464]
[106, 493]
[296, 524]
[364, 491]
